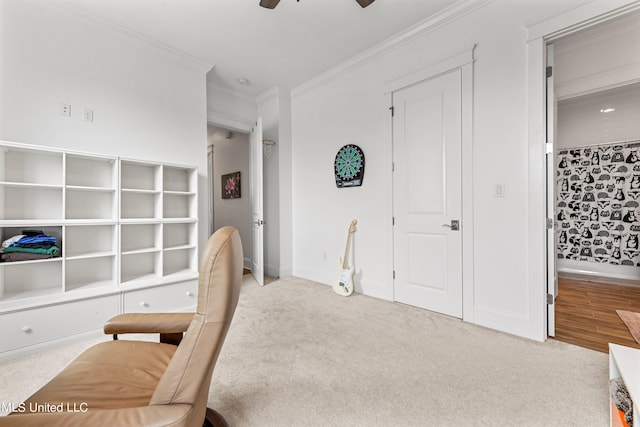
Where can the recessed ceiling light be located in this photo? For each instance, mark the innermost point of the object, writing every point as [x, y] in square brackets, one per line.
[607, 110]
[242, 81]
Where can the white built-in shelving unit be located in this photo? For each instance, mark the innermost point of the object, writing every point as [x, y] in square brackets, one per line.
[624, 363]
[158, 219]
[127, 230]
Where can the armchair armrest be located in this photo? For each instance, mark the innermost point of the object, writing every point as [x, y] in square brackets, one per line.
[170, 326]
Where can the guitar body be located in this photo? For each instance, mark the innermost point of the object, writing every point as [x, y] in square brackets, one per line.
[343, 284]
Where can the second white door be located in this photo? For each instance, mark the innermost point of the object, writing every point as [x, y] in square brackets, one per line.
[427, 188]
[257, 221]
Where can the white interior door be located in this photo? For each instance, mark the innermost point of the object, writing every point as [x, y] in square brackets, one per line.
[552, 272]
[427, 188]
[257, 218]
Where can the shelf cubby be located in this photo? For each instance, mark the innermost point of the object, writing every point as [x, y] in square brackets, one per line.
[30, 166]
[28, 279]
[90, 203]
[136, 175]
[178, 235]
[138, 238]
[178, 206]
[91, 172]
[140, 266]
[90, 241]
[140, 204]
[52, 231]
[90, 273]
[178, 179]
[31, 202]
[179, 260]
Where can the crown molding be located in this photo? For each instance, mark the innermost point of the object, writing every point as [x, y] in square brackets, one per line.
[428, 25]
[580, 15]
[193, 61]
[559, 11]
[437, 67]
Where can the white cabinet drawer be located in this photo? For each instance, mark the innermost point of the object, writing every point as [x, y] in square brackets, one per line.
[175, 297]
[39, 325]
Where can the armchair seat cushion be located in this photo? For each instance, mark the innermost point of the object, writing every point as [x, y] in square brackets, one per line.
[110, 375]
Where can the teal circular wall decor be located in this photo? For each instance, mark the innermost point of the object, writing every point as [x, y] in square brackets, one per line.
[348, 166]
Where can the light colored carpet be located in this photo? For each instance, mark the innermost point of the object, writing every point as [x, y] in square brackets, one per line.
[298, 354]
[632, 322]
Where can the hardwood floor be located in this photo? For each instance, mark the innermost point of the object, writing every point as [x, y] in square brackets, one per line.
[586, 313]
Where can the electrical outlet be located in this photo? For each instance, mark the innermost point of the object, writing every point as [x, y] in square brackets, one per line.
[65, 109]
[87, 115]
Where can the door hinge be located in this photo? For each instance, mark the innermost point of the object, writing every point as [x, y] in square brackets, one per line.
[549, 223]
[549, 71]
[549, 299]
[394, 274]
[393, 166]
[393, 110]
[393, 220]
[549, 147]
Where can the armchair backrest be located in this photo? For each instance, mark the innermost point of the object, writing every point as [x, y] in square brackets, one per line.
[188, 376]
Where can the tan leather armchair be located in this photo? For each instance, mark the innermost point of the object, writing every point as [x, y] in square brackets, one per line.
[140, 383]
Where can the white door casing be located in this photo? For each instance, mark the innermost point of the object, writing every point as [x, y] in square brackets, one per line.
[552, 273]
[257, 218]
[427, 194]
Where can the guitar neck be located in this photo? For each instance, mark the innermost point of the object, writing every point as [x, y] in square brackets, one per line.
[345, 259]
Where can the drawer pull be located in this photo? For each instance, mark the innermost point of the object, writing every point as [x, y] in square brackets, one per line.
[189, 294]
[143, 304]
[26, 329]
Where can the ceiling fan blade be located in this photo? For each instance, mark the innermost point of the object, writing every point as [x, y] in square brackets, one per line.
[365, 3]
[270, 4]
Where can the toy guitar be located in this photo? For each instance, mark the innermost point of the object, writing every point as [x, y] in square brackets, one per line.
[343, 285]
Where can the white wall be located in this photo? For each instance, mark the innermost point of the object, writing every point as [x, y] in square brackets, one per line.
[580, 122]
[346, 107]
[230, 109]
[148, 103]
[285, 190]
[269, 110]
[274, 106]
[232, 155]
[598, 57]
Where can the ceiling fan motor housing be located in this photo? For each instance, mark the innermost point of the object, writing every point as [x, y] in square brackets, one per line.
[271, 4]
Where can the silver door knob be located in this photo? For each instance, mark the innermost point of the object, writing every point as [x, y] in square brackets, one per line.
[258, 222]
[454, 226]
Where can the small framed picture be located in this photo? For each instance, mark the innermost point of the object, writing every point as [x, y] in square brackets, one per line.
[231, 185]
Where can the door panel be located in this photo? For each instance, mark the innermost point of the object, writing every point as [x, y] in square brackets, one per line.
[427, 191]
[421, 273]
[425, 195]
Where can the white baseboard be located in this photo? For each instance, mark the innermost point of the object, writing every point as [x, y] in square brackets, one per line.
[599, 270]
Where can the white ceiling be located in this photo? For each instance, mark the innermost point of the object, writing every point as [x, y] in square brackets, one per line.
[285, 46]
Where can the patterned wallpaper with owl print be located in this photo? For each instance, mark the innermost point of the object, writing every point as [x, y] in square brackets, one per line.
[598, 196]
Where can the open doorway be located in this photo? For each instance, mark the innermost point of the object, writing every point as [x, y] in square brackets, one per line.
[229, 158]
[596, 181]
